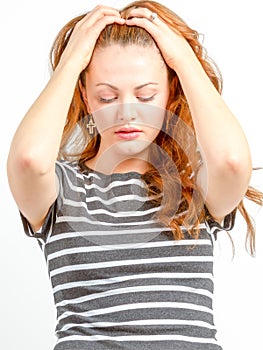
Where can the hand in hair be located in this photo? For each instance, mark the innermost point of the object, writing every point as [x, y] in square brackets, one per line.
[83, 38]
[163, 35]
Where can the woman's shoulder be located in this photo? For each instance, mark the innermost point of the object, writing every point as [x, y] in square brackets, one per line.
[74, 166]
[69, 174]
[70, 168]
[67, 165]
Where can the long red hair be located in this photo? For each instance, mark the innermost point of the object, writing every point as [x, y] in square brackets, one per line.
[176, 160]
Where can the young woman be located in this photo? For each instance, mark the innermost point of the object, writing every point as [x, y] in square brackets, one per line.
[127, 217]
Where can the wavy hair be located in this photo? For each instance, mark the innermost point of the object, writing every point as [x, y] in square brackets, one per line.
[175, 156]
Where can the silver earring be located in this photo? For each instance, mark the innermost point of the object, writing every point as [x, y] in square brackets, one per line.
[91, 124]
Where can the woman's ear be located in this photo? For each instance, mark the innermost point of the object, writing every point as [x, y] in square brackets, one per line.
[84, 95]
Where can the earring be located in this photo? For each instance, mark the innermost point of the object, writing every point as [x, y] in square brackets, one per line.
[91, 125]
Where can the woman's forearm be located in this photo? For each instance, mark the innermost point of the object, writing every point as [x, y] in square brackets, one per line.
[227, 165]
[219, 132]
[37, 140]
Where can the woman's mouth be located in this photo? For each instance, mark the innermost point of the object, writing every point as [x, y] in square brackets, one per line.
[128, 133]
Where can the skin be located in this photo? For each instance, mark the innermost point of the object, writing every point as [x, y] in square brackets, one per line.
[119, 97]
[226, 172]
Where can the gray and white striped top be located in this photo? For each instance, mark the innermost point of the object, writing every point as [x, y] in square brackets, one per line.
[120, 280]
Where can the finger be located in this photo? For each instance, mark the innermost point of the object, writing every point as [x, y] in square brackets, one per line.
[97, 13]
[145, 23]
[142, 12]
[106, 20]
[106, 11]
[142, 17]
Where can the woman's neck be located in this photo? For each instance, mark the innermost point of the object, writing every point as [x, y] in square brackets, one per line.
[125, 166]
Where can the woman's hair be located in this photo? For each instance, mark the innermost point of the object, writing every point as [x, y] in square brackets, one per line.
[174, 153]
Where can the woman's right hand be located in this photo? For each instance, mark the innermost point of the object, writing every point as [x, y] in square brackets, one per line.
[81, 44]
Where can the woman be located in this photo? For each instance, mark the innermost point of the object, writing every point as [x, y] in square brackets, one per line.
[128, 217]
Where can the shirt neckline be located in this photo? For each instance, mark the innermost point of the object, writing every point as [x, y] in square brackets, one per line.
[128, 175]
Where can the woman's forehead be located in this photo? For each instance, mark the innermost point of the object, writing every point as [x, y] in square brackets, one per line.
[116, 59]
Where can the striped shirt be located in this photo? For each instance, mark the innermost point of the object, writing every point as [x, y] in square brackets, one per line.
[120, 280]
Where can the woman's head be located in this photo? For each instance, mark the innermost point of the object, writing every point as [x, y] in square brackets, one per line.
[127, 36]
[175, 143]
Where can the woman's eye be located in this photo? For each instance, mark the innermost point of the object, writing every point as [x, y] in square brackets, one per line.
[112, 99]
[146, 99]
[107, 100]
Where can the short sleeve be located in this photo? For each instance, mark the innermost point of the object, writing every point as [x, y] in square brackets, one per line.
[227, 224]
[67, 178]
[47, 226]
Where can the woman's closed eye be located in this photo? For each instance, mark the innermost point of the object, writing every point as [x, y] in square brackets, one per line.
[146, 99]
[107, 100]
[140, 98]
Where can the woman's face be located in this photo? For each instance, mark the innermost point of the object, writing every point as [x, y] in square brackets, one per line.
[127, 91]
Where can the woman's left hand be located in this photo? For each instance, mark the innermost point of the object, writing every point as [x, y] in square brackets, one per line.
[173, 46]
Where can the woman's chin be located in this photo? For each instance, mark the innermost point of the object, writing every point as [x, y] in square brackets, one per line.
[132, 148]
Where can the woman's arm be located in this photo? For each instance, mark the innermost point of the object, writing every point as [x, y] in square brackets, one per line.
[226, 170]
[35, 146]
[34, 149]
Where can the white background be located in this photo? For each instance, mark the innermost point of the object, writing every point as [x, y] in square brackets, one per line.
[233, 37]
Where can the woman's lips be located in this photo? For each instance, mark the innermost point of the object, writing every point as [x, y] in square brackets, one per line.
[128, 133]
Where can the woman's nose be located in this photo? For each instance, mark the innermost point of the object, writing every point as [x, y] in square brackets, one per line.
[127, 112]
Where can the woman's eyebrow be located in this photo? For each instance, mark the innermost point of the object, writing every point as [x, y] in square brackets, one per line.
[143, 85]
[107, 84]
[137, 88]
